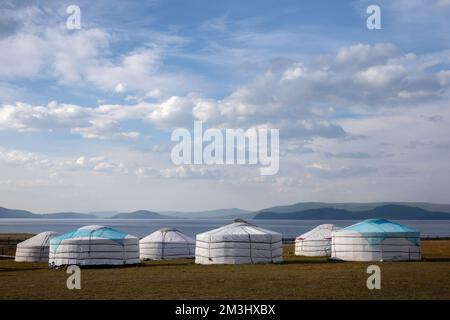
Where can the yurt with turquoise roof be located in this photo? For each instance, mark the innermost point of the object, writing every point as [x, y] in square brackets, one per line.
[238, 243]
[35, 249]
[376, 240]
[166, 243]
[94, 245]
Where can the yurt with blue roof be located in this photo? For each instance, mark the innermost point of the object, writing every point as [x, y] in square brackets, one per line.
[376, 240]
[94, 245]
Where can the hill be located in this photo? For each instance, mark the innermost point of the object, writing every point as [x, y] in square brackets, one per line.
[210, 214]
[141, 214]
[14, 213]
[104, 214]
[67, 215]
[355, 206]
[390, 211]
[23, 214]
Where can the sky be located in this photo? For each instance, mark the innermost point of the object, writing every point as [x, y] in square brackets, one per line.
[86, 114]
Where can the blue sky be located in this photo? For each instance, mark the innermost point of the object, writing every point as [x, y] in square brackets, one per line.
[86, 115]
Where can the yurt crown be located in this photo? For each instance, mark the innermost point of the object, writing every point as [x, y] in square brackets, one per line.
[242, 221]
[167, 229]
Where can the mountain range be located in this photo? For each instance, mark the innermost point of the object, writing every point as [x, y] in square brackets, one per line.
[389, 211]
[141, 214]
[297, 211]
[210, 214]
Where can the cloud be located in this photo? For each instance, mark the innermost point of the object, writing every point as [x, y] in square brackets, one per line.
[191, 172]
[56, 165]
[20, 158]
[444, 77]
[85, 60]
[22, 56]
[23, 117]
[31, 184]
[322, 171]
[175, 111]
[436, 118]
[120, 88]
[300, 99]
[91, 123]
[348, 155]
[381, 76]
[443, 3]
[364, 55]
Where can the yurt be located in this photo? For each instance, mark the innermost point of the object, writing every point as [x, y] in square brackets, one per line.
[35, 249]
[166, 243]
[316, 242]
[237, 243]
[94, 245]
[376, 240]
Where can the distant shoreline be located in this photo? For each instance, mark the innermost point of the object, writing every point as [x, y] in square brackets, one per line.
[298, 211]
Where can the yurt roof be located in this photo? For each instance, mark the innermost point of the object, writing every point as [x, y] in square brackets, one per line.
[371, 226]
[323, 231]
[92, 231]
[167, 229]
[239, 226]
[170, 235]
[41, 239]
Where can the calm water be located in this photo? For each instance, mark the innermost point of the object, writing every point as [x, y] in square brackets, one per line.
[141, 228]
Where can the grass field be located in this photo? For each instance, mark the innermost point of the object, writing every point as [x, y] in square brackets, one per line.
[296, 278]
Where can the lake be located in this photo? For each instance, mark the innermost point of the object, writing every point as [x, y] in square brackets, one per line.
[141, 228]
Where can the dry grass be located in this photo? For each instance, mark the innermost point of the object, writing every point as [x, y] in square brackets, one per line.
[297, 278]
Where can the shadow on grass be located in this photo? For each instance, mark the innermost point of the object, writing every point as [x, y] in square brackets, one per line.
[131, 266]
[443, 259]
[306, 262]
[13, 269]
[99, 267]
[167, 263]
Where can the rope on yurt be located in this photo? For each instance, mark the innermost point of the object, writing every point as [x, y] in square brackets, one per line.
[333, 251]
[271, 240]
[42, 249]
[90, 236]
[209, 249]
[124, 259]
[250, 244]
[163, 240]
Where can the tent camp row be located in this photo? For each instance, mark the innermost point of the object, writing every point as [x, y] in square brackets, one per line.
[237, 243]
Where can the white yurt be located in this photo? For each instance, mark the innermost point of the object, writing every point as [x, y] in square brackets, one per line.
[35, 249]
[316, 242]
[376, 240]
[94, 245]
[166, 243]
[237, 243]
